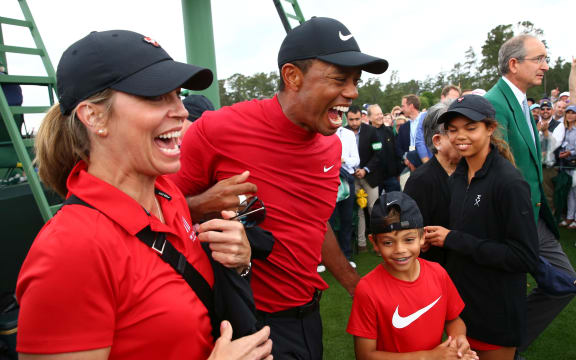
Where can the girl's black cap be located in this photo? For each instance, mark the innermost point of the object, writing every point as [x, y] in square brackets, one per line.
[474, 107]
[125, 61]
[330, 41]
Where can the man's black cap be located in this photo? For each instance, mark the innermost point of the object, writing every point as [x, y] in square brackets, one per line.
[196, 105]
[546, 103]
[474, 107]
[330, 41]
[410, 216]
[125, 61]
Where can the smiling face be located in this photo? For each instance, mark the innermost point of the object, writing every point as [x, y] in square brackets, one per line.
[470, 138]
[143, 135]
[323, 95]
[545, 112]
[400, 250]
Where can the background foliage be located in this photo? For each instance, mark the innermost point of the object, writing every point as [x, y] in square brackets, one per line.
[474, 72]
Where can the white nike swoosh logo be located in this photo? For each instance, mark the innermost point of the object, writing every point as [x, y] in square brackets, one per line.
[328, 169]
[344, 37]
[400, 322]
[391, 202]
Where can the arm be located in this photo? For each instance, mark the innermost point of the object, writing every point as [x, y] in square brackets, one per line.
[336, 262]
[572, 81]
[365, 349]
[222, 196]
[421, 147]
[456, 329]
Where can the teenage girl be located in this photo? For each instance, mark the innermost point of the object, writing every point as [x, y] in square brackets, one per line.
[492, 237]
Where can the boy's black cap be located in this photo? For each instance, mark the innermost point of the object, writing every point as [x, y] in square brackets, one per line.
[196, 105]
[330, 41]
[410, 216]
[125, 61]
[474, 107]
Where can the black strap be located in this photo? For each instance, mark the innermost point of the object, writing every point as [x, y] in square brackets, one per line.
[167, 252]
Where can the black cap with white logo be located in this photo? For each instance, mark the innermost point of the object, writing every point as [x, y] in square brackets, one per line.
[125, 61]
[330, 41]
[410, 216]
[473, 107]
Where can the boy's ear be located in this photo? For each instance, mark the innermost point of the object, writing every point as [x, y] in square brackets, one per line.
[372, 241]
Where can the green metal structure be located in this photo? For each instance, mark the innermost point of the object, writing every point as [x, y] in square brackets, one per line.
[285, 16]
[16, 144]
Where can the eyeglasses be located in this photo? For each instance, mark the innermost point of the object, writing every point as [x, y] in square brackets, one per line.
[253, 212]
[539, 59]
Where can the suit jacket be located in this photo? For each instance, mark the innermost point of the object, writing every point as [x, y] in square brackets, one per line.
[391, 162]
[403, 139]
[516, 133]
[369, 146]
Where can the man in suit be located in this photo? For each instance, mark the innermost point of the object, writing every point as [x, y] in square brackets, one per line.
[523, 61]
[369, 172]
[390, 162]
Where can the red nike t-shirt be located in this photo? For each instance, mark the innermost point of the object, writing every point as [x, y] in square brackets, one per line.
[297, 174]
[404, 316]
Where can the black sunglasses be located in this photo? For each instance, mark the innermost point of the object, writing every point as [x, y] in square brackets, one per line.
[252, 212]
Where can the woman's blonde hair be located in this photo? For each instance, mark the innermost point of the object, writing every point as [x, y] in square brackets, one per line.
[62, 141]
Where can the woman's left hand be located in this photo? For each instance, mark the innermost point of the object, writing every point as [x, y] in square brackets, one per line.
[227, 240]
[436, 235]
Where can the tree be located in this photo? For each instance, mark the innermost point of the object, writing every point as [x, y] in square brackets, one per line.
[240, 87]
[489, 65]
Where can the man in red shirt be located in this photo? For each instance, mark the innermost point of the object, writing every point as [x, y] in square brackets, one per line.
[286, 143]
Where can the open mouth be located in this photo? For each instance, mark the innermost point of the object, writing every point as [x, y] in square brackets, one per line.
[402, 260]
[335, 115]
[168, 142]
[462, 147]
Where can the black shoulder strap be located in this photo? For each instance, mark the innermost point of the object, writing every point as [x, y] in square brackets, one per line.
[168, 253]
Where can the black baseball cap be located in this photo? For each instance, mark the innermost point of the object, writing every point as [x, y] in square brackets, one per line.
[125, 61]
[546, 103]
[410, 216]
[330, 41]
[474, 107]
[196, 105]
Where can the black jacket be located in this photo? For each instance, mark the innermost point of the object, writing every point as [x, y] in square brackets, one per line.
[493, 243]
[389, 159]
[369, 146]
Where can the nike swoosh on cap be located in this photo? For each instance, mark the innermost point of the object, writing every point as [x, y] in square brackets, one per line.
[391, 202]
[400, 322]
[328, 169]
[344, 37]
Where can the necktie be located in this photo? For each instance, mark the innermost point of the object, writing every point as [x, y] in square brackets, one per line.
[528, 120]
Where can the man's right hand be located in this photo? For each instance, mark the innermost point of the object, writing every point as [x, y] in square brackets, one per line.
[222, 196]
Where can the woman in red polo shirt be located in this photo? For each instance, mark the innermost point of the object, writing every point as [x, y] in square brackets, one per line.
[89, 287]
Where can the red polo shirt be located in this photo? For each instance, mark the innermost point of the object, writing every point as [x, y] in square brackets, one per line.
[297, 174]
[88, 282]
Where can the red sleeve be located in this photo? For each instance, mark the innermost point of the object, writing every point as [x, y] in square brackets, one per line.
[197, 154]
[455, 303]
[66, 270]
[363, 317]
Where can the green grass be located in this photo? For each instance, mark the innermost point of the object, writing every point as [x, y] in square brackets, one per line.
[557, 342]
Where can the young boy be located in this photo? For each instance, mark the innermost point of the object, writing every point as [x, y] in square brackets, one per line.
[402, 307]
